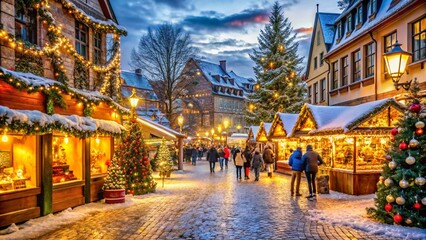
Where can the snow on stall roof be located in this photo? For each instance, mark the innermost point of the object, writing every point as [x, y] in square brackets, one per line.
[327, 25]
[288, 120]
[330, 118]
[239, 135]
[254, 130]
[70, 122]
[267, 127]
[382, 13]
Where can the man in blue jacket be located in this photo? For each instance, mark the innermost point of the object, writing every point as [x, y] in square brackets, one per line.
[296, 164]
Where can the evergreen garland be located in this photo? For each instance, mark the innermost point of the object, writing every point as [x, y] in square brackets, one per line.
[81, 78]
[29, 63]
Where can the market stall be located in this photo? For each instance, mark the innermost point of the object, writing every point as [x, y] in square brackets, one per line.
[262, 138]
[279, 134]
[351, 140]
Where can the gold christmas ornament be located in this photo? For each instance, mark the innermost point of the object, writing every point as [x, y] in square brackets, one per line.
[381, 178]
[420, 124]
[404, 183]
[392, 164]
[414, 143]
[400, 130]
[388, 182]
[408, 221]
[410, 160]
[390, 198]
[400, 200]
[420, 181]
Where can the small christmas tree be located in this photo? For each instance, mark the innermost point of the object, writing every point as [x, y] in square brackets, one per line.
[401, 195]
[164, 160]
[134, 159]
[115, 178]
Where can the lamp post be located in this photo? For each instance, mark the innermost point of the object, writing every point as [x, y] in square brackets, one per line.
[396, 61]
[180, 122]
[133, 99]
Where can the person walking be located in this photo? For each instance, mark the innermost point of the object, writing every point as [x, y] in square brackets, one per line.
[188, 153]
[227, 154]
[247, 163]
[200, 153]
[296, 164]
[221, 156]
[212, 157]
[311, 160]
[239, 162]
[194, 156]
[257, 163]
[268, 158]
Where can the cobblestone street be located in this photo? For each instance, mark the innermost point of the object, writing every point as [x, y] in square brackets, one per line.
[200, 205]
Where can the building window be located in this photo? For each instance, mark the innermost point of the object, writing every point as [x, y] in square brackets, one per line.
[315, 63]
[339, 30]
[335, 76]
[97, 45]
[370, 51]
[206, 120]
[321, 58]
[81, 35]
[358, 16]
[419, 40]
[349, 24]
[316, 93]
[356, 66]
[345, 69]
[310, 94]
[389, 41]
[25, 23]
[318, 38]
[322, 83]
[372, 7]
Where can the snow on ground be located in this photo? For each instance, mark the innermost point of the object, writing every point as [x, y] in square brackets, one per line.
[347, 210]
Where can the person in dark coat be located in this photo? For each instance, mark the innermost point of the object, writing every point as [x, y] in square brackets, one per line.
[296, 164]
[247, 163]
[257, 163]
[212, 157]
[188, 153]
[268, 157]
[194, 156]
[311, 159]
[221, 156]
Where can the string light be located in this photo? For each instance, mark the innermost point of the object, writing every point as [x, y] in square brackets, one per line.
[97, 140]
[4, 138]
[66, 140]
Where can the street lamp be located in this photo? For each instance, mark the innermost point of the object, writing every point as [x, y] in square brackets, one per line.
[219, 129]
[396, 61]
[180, 122]
[226, 124]
[238, 128]
[133, 102]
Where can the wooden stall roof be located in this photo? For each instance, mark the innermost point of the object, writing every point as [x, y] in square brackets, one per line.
[252, 133]
[372, 116]
[262, 133]
[159, 130]
[282, 125]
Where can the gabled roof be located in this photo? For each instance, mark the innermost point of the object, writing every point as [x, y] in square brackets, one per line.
[135, 80]
[263, 128]
[326, 21]
[386, 10]
[341, 119]
[253, 130]
[287, 121]
[240, 81]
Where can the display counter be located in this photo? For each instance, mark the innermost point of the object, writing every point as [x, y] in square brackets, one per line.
[19, 179]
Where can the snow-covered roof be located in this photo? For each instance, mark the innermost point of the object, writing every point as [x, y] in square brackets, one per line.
[241, 81]
[254, 130]
[327, 25]
[153, 114]
[239, 135]
[289, 121]
[267, 127]
[161, 128]
[135, 80]
[141, 93]
[385, 10]
[72, 124]
[344, 118]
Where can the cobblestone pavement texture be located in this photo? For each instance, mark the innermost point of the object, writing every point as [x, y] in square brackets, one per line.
[200, 205]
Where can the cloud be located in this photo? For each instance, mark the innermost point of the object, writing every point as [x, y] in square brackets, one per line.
[178, 4]
[290, 3]
[229, 42]
[303, 30]
[208, 22]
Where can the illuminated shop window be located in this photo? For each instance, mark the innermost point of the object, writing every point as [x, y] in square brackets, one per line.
[67, 159]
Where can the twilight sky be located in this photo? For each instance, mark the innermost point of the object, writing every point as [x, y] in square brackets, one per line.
[221, 29]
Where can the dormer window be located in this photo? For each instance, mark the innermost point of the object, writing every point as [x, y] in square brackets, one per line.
[372, 8]
[349, 24]
[358, 16]
[339, 30]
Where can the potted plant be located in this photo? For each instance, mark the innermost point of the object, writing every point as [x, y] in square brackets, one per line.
[114, 185]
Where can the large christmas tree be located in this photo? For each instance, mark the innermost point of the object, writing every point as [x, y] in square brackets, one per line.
[115, 178]
[164, 161]
[401, 195]
[277, 68]
[135, 162]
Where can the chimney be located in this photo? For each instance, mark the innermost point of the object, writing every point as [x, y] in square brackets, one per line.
[317, 7]
[138, 71]
[223, 65]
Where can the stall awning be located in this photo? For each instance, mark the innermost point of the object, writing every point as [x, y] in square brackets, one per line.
[160, 130]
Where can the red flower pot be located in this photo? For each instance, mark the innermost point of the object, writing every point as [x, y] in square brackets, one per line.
[115, 196]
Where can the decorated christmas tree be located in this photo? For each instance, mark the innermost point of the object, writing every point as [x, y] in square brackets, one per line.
[115, 178]
[277, 68]
[135, 162]
[164, 161]
[401, 195]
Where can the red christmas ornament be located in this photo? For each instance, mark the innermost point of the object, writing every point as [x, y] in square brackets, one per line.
[392, 139]
[388, 207]
[417, 205]
[415, 107]
[403, 146]
[419, 131]
[108, 162]
[394, 131]
[397, 218]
